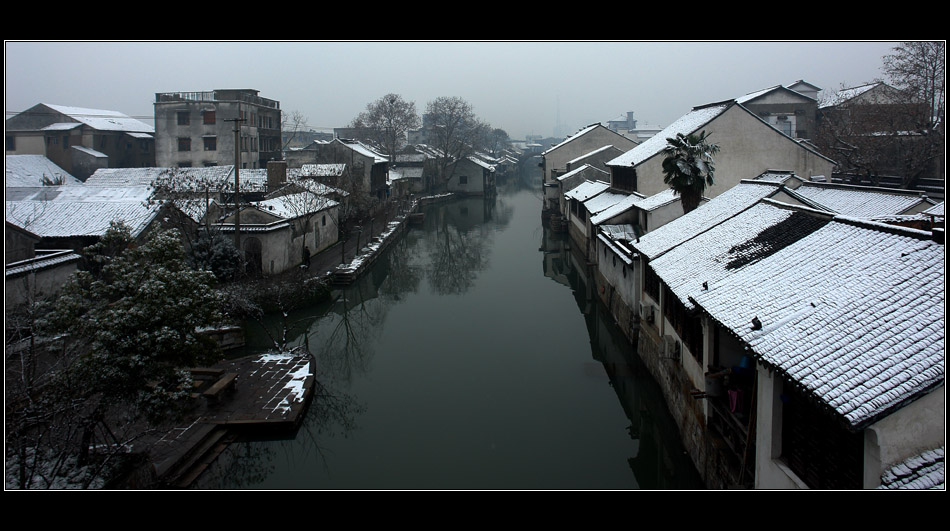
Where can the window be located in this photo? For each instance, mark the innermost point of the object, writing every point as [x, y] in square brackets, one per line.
[209, 117]
[11, 143]
[463, 179]
[820, 451]
[211, 143]
[184, 164]
[66, 142]
[184, 118]
[324, 219]
[184, 144]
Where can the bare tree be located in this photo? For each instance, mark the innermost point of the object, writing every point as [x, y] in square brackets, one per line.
[894, 129]
[386, 122]
[454, 132]
[919, 68]
[291, 125]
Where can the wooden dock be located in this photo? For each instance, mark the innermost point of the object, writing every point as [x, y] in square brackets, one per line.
[266, 393]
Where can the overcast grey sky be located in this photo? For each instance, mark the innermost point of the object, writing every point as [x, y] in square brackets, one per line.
[521, 87]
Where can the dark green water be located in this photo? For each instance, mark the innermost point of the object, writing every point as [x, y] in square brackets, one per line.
[469, 357]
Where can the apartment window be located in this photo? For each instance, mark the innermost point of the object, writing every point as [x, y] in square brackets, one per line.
[211, 143]
[209, 117]
[184, 118]
[184, 144]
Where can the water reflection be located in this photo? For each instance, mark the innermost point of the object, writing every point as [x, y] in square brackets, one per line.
[454, 364]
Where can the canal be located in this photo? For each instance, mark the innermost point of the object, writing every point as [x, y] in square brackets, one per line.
[469, 357]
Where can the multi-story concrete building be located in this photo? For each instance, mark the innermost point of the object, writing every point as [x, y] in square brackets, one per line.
[194, 129]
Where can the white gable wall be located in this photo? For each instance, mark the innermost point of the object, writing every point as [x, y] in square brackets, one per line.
[747, 148]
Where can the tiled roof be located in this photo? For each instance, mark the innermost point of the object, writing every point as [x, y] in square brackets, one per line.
[723, 206]
[292, 206]
[60, 219]
[658, 199]
[601, 202]
[689, 123]
[924, 471]
[726, 247]
[103, 120]
[852, 312]
[576, 135]
[861, 202]
[617, 208]
[585, 191]
[34, 170]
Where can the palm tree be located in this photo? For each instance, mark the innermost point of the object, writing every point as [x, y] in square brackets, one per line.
[688, 167]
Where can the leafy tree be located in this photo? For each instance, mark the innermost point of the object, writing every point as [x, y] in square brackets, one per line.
[688, 167]
[139, 316]
[215, 252]
[127, 328]
[387, 121]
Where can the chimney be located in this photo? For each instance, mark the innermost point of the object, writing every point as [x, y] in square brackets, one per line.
[631, 123]
[276, 174]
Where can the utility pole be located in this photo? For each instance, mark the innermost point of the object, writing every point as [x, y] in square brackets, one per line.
[237, 179]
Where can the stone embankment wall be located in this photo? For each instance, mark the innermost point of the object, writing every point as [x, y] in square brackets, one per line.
[707, 451]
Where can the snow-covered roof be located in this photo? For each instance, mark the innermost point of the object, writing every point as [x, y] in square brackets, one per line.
[103, 120]
[211, 178]
[617, 208]
[936, 210]
[61, 126]
[132, 176]
[295, 205]
[844, 95]
[41, 262]
[364, 150]
[687, 124]
[718, 209]
[601, 202]
[858, 201]
[575, 136]
[81, 192]
[61, 219]
[482, 163]
[852, 313]
[575, 171]
[625, 232]
[777, 176]
[658, 200]
[34, 170]
[91, 152]
[318, 170]
[722, 249]
[759, 93]
[594, 152]
[585, 191]
[923, 471]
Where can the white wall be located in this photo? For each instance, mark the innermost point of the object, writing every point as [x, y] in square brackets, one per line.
[747, 147]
